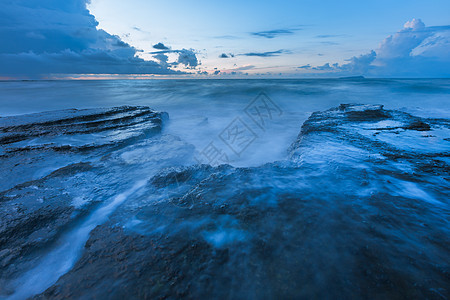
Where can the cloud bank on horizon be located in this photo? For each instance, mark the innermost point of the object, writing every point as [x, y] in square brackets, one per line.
[414, 51]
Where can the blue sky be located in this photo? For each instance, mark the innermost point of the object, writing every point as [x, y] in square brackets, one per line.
[261, 38]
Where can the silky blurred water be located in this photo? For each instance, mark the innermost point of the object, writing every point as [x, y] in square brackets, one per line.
[201, 109]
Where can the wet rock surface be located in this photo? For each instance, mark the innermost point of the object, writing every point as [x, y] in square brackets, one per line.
[77, 130]
[34, 145]
[360, 210]
[56, 171]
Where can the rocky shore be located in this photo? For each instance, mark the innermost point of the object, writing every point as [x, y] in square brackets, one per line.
[359, 207]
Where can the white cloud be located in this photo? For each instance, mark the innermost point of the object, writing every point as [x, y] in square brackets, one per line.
[359, 64]
[403, 42]
[186, 57]
[436, 45]
[414, 51]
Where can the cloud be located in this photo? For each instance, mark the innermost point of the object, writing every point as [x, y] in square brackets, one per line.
[69, 62]
[359, 64]
[244, 68]
[414, 51]
[356, 65]
[224, 55]
[266, 54]
[403, 42]
[61, 37]
[187, 57]
[325, 67]
[162, 58]
[160, 46]
[326, 36]
[436, 45]
[270, 34]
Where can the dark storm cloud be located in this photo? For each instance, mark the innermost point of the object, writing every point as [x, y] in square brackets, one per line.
[61, 37]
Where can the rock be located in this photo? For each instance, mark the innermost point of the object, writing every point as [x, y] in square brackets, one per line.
[27, 224]
[355, 112]
[418, 125]
[349, 215]
[370, 129]
[56, 168]
[32, 146]
[78, 130]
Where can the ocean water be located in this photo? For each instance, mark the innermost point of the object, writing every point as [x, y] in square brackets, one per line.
[360, 208]
[200, 110]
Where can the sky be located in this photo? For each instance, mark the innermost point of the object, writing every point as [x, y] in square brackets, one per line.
[199, 38]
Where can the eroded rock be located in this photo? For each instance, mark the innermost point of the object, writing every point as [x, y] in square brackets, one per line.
[57, 168]
[360, 209]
